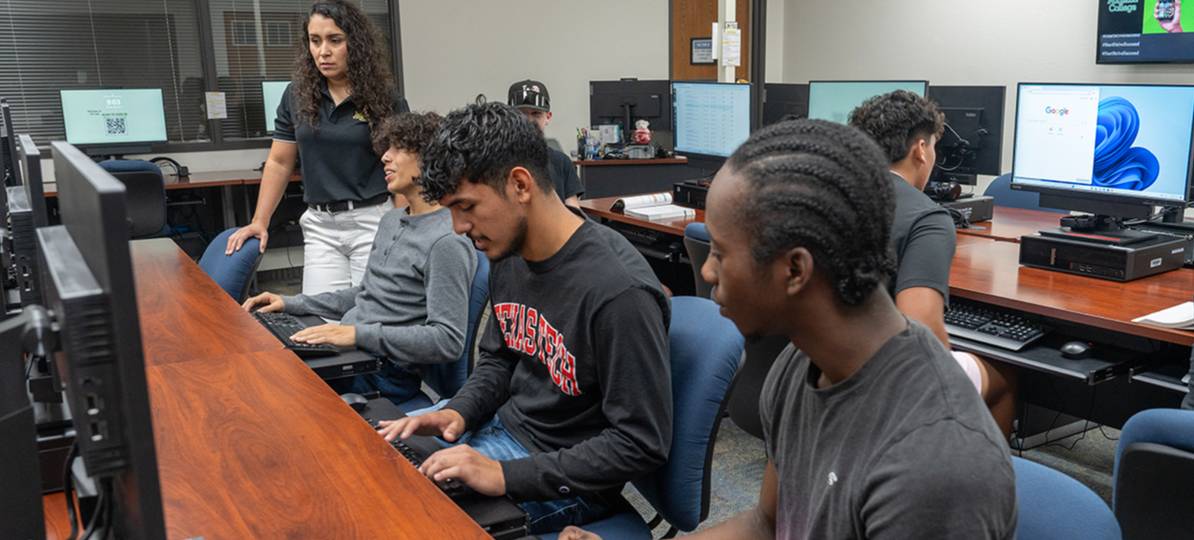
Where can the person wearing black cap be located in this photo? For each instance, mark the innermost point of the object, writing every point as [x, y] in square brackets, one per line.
[532, 99]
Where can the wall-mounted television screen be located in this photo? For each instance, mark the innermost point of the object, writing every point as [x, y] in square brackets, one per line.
[1145, 31]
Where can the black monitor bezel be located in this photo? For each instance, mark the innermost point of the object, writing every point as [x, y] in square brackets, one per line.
[102, 148]
[995, 139]
[1096, 198]
[30, 157]
[10, 142]
[94, 213]
[665, 107]
[847, 81]
[800, 90]
[752, 124]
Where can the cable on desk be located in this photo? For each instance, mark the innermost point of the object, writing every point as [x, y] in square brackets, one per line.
[68, 488]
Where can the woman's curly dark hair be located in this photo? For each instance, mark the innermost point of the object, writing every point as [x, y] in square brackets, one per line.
[368, 65]
[825, 187]
[406, 131]
[897, 120]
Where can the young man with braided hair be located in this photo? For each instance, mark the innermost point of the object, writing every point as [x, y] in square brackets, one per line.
[870, 428]
[907, 127]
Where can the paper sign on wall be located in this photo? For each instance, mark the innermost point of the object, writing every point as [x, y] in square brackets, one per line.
[217, 106]
[731, 45]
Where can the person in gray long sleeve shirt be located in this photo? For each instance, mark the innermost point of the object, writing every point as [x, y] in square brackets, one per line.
[412, 304]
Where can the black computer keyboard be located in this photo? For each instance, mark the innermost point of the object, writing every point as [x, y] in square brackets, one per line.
[415, 450]
[284, 325]
[991, 326]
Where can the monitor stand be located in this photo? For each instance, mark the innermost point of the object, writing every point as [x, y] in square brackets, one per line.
[1098, 229]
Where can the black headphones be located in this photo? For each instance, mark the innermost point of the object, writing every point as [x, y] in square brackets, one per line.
[179, 170]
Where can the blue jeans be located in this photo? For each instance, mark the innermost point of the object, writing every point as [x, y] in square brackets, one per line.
[494, 442]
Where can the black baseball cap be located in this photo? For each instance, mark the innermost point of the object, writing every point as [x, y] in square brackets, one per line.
[529, 94]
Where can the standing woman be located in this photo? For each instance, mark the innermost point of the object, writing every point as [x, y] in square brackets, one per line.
[342, 87]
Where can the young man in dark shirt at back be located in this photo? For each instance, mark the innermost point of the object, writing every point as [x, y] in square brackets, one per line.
[531, 98]
[907, 127]
[871, 428]
[571, 397]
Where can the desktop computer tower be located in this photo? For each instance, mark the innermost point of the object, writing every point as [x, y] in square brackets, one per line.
[1104, 261]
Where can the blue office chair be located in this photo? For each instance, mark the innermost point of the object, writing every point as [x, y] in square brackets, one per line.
[1001, 189]
[1154, 475]
[146, 190]
[696, 243]
[446, 379]
[1054, 506]
[705, 348]
[233, 273]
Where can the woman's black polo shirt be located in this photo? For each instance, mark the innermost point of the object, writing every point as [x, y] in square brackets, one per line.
[337, 156]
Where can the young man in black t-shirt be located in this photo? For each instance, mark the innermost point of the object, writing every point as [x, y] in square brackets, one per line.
[571, 397]
[531, 98]
[871, 429]
[907, 127]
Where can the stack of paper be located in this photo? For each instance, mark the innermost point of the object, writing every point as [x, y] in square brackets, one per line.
[1180, 316]
[653, 207]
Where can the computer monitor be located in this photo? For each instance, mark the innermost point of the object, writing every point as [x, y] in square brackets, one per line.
[88, 279]
[271, 94]
[26, 209]
[835, 100]
[626, 101]
[711, 119]
[113, 122]
[973, 140]
[782, 100]
[9, 176]
[1111, 150]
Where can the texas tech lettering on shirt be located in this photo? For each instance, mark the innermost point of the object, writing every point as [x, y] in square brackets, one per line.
[525, 330]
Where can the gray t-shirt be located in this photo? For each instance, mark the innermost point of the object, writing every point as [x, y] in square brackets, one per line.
[904, 448]
[923, 238]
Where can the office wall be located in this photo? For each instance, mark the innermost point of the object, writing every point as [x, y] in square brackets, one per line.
[775, 38]
[955, 43]
[456, 49]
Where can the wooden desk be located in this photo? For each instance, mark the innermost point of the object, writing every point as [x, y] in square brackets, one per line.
[600, 208]
[1009, 224]
[989, 271]
[250, 442]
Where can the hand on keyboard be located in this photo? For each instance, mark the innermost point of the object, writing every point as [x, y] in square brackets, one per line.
[466, 465]
[265, 302]
[444, 423]
[339, 335]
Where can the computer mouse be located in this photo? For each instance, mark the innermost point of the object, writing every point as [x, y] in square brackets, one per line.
[356, 401]
[1075, 349]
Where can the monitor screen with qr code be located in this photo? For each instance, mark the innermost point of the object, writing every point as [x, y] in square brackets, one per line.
[114, 116]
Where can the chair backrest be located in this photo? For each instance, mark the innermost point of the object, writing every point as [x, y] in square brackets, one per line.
[1001, 189]
[146, 194]
[447, 379]
[1154, 463]
[233, 273]
[743, 403]
[1056, 507]
[696, 242]
[704, 352]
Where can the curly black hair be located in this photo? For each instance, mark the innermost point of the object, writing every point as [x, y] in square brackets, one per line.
[897, 120]
[482, 142]
[822, 186]
[406, 131]
[368, 65]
